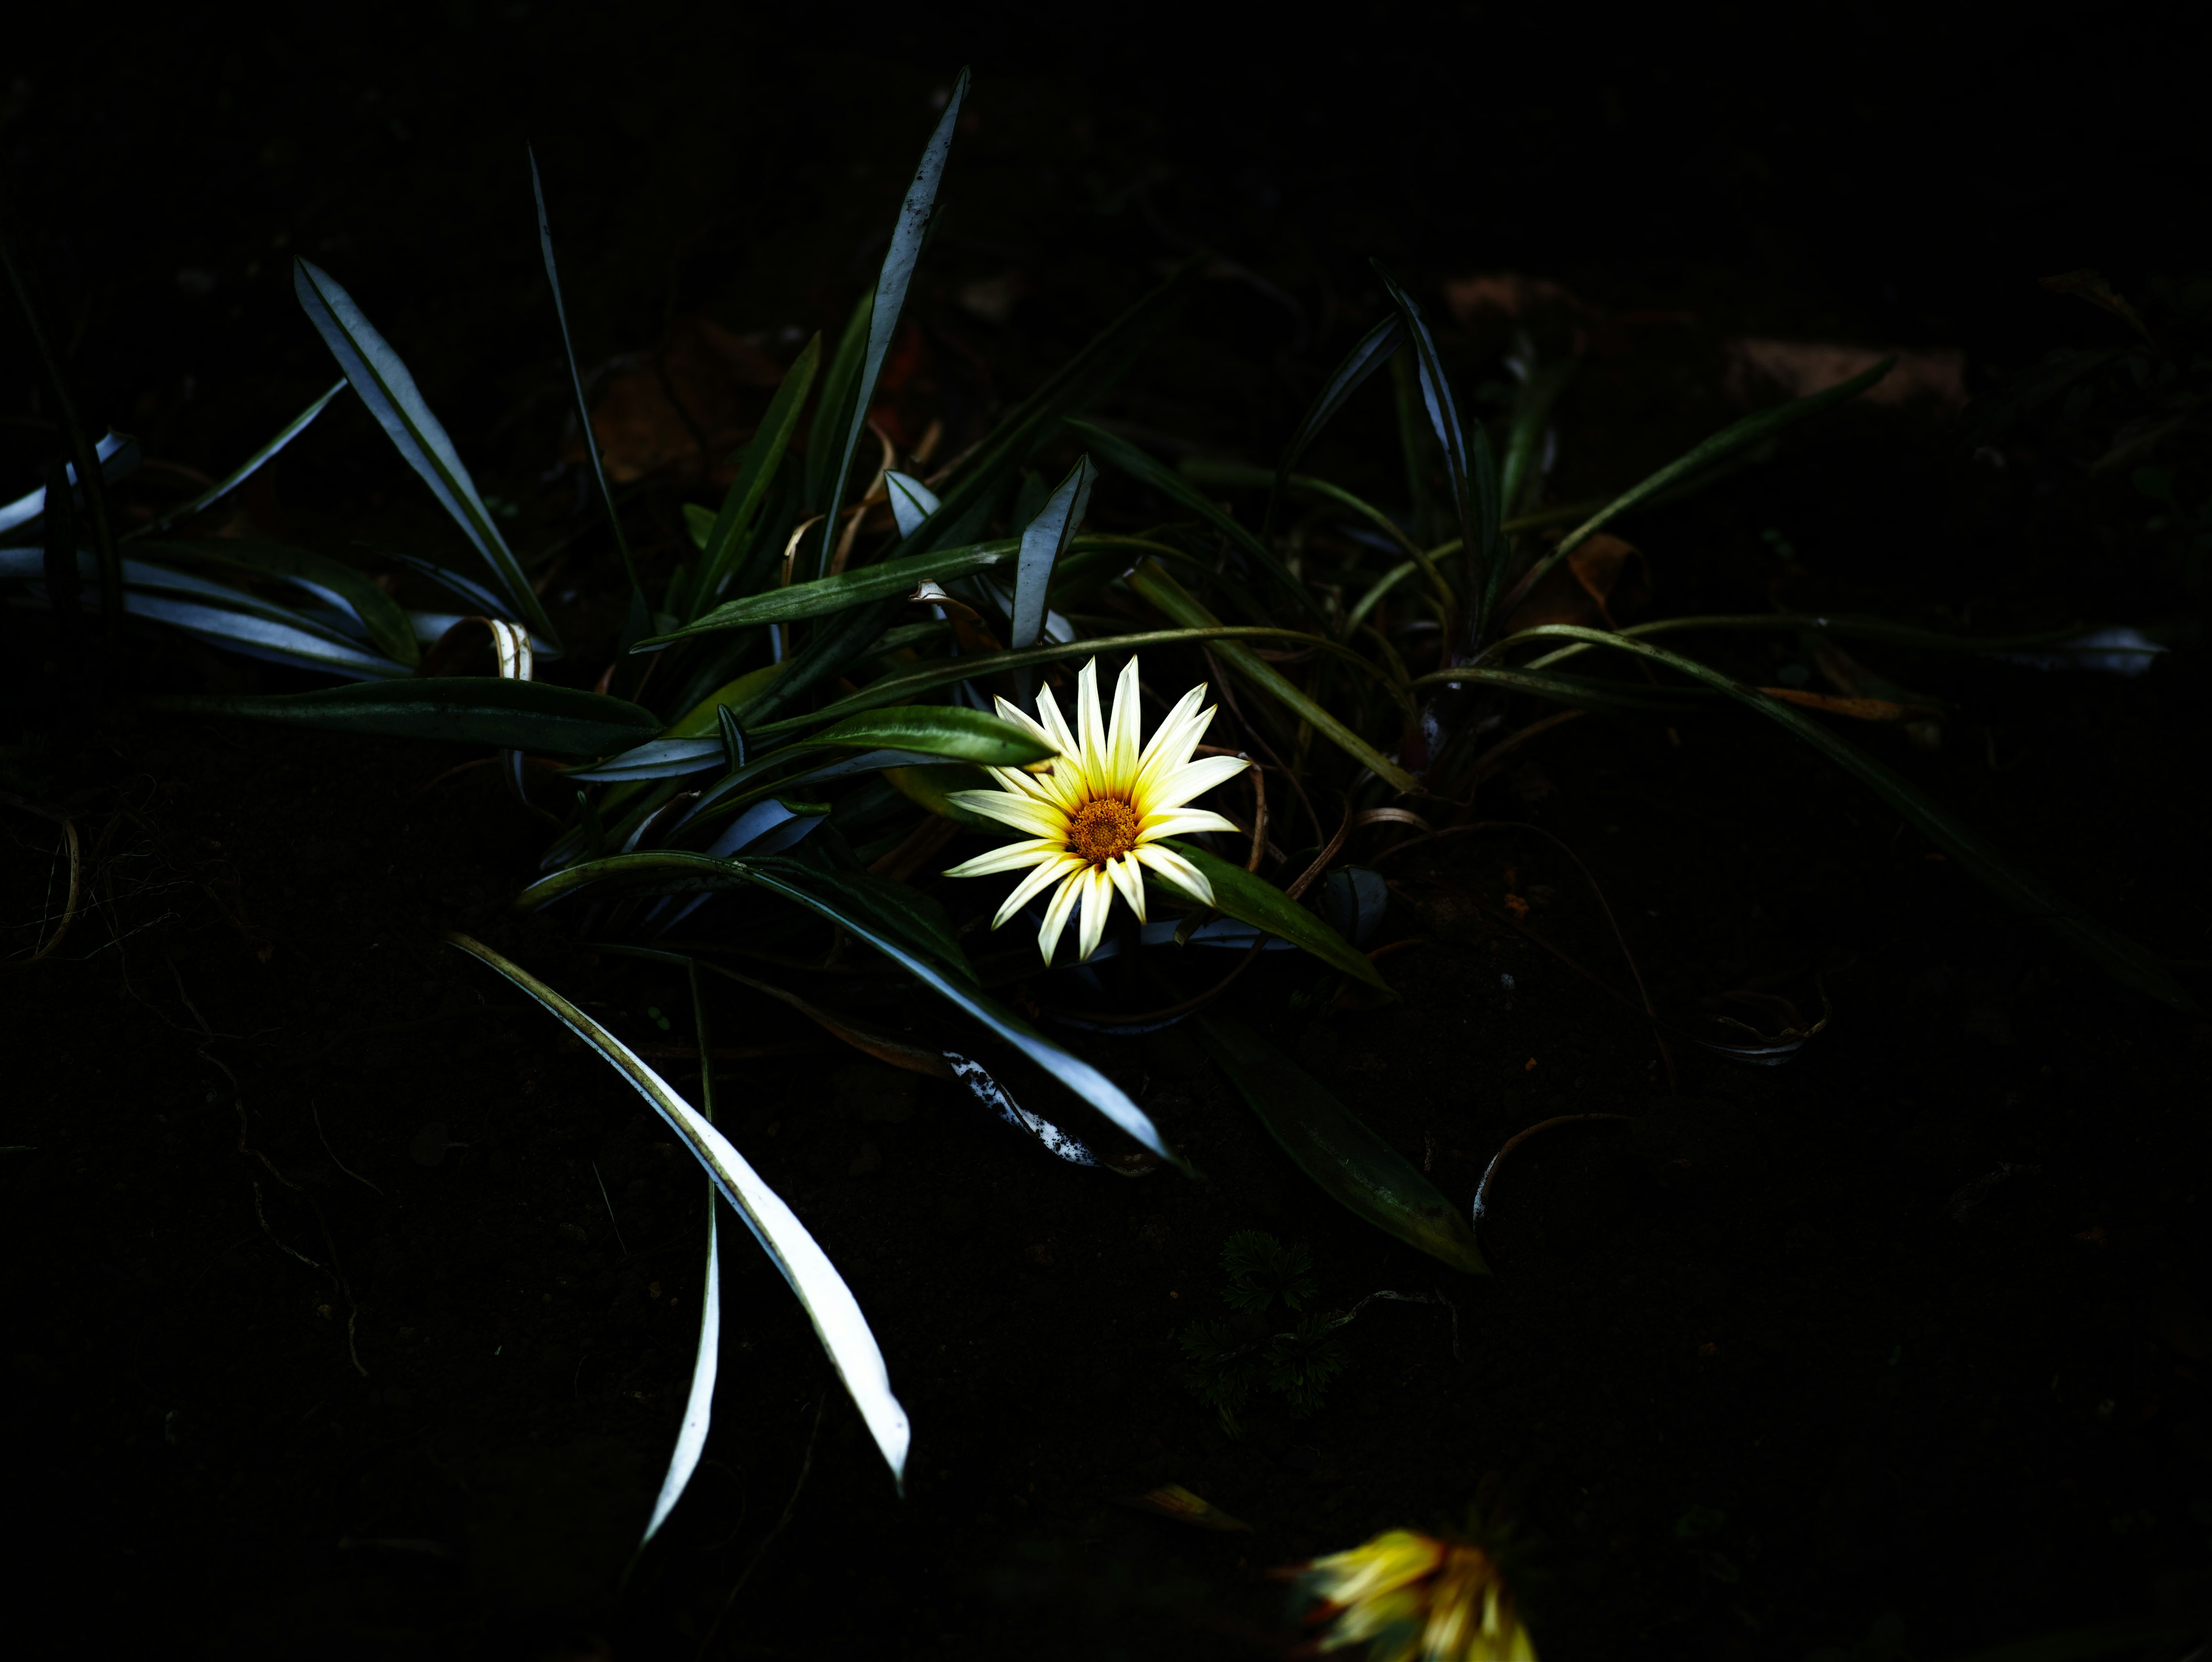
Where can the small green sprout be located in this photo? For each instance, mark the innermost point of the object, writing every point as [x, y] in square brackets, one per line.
[1262, 1270]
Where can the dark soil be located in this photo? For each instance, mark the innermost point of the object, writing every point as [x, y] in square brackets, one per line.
[353, 1305]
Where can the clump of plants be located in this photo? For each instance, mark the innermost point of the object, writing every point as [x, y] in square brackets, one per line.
[1227, 1363]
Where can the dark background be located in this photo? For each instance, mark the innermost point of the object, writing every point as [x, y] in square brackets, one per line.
[1897, 177]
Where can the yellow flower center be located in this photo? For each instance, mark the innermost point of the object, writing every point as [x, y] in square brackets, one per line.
[1104, 828]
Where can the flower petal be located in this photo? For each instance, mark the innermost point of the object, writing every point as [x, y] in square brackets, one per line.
[1121, 747]
[1008, 857]
[1129, 883]
[1091, 728]
[1193, 779]
[1175, 871]
[1181, 822]
[1056, 727]
[1055, 914]
[1097, 901]
[1172, 743]
[1035, 884]
[1022, 813]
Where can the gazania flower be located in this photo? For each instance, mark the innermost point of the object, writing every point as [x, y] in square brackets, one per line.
[1413, 1598]
[1095, 813]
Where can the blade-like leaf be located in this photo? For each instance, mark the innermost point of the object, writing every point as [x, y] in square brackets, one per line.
[948, 731]
[1336, 1150]
[382, 618]
[245, 470]
[477, 709]
[2119, 957]
[1044, 539]
[1522, 473]
[577, 390]
[757, 469]
[389, 391]
[1253, 900]
[899, 261]
[837, 386]
[261, 630]
[1368, 353]
[1152, 580]
[675, 871]
[1740, 436]
[828, 1303]
[879, 581]
[1125, 458]
[1468, 466]
[24, 518]
[912, 501]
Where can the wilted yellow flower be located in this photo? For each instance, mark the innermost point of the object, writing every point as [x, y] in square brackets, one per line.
[1095, 813]
[1413, 1598]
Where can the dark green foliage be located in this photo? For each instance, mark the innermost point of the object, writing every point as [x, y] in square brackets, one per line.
[1262, 1270]
[1301, 1363]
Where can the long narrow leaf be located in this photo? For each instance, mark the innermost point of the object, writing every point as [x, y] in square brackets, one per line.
[828, 1303]
[1044, 539]
[935, 731]
[1474, 509]
[389, 391]
[638, 610]
[897, 272]
[675, 871]
[1368, 353]
[757, 470]
[296, 641]
[837, 384]
[821, 595]
[1239, 894]
[1336, 1150]
[477, 709]
[245, 470]
[2124, 960]
[1124, 457]
[382, 618]
[1152, 580]
[119, 455]
[1737, 436]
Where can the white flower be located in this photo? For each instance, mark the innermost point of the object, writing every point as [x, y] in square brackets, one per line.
[1095, 813]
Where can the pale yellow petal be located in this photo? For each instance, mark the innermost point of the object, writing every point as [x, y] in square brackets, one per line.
[1020, 781]
[1010, 857]
[1008, 710]
[1097, 902]
[1091, 728]
[1172, 743]
[1129, 883]
[1046, 875]
[1121, 746]
[1022, 813]
[1175, 871]
[1181, 822]
[1056, 727]
[1193, 779]
[1055, 914]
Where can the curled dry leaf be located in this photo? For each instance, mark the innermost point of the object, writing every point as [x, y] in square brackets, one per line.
[1757, 368]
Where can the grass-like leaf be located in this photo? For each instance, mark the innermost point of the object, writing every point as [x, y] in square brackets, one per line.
[476, 709]
[1152, 580]
[2125, 960]
[1337, 1152]
[947, 731]
[1737, 436]
[1043, 540]
[725, 541]
[389, 391]
[382, 618]
[675, 871]
[239, 475]
[1369, 353]
[261, 630]
[828, 1303]
[1249, 899]
[899, 261]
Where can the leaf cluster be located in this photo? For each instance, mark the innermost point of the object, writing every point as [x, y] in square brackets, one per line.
[1226, 1364]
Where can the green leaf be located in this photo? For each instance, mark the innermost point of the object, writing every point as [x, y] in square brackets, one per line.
[1334, 1149]
[1044, 539]
[828, 1303]
[389, 392]
[476, 709]
[583, 407]
[673, 871]
[260, 629]
[1124, 457]
[1369, 353]
[881, 580]
[1740, 436]
[1151, 582]
[239, 475]
[1253, 900]
[1522, 473]
[383, 618]
[2124, 960]
[899, 261]
[950, 731]
[723, 545]
[1467, 467]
